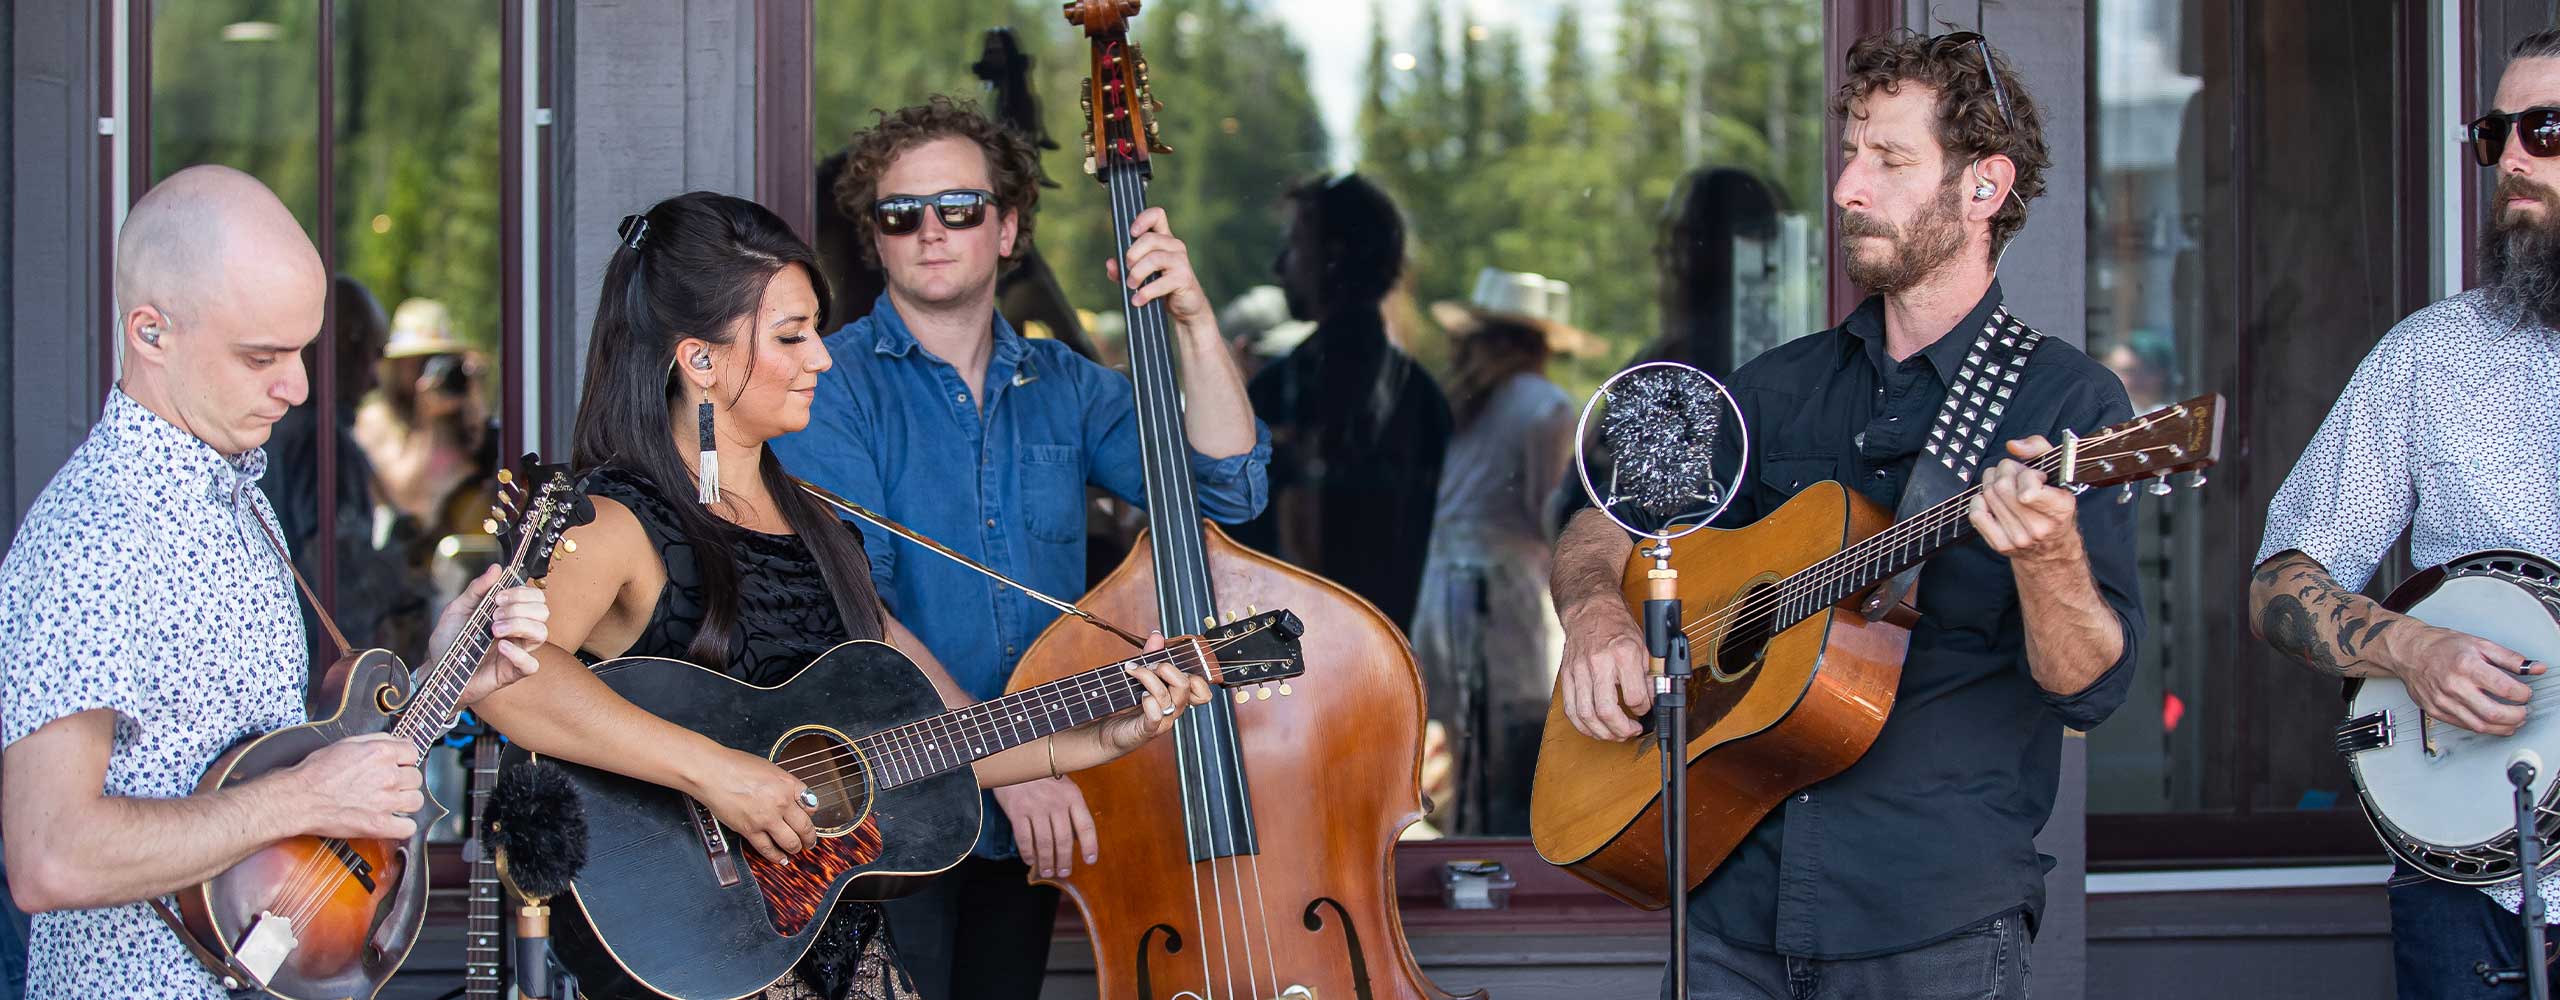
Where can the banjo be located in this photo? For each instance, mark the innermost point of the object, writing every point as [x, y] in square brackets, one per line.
[2438, 794]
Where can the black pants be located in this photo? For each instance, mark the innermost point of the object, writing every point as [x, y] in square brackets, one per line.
[977, 932]
[2439, 930]
[1986, 961]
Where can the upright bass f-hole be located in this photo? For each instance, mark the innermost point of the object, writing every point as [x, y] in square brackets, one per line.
[1146, 978]
[1350, 941]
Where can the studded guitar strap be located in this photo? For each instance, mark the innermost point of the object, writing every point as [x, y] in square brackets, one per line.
[1966, 431]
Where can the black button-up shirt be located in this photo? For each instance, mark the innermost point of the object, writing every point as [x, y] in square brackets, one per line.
[1934, 829]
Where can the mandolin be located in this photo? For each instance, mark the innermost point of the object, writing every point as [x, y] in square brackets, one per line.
[1318, 784]
[1792, 683]
[671, 900]
[319, 917]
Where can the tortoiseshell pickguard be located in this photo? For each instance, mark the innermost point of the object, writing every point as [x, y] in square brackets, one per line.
[796, 893]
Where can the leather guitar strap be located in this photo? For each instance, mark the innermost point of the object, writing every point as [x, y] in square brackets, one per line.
[318, 609]
[1966, 431]
[231, 977]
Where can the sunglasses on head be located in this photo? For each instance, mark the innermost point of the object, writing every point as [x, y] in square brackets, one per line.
[1956, 41]
[2538, 129]
[898, 215]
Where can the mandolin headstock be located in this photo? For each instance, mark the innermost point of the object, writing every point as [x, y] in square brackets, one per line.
[535, 510]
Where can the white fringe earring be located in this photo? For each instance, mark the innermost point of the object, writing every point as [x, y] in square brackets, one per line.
[710, 485]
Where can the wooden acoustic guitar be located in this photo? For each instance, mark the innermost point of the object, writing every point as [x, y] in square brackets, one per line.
[1792, 682]
[672, 901]
[319, 917]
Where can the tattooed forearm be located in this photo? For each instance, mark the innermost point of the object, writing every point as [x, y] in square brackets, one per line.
[2298, 609]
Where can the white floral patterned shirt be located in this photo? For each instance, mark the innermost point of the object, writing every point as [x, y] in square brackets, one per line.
[2450, 429]
[142, 582]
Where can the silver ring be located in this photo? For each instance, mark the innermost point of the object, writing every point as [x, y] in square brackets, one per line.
[1168, 710]
[808, 798]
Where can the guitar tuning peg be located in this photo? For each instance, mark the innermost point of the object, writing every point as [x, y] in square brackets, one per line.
[1252, 612]
[1284, 689]
[507, 477]
[1243, 696]
[489, 525]
[2159, 487]
[2195, 480]
[568, 545]
[1208, 621]
[2125, 495]
[1263, 692]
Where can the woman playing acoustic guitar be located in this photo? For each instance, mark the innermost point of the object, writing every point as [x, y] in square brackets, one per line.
[706, 346]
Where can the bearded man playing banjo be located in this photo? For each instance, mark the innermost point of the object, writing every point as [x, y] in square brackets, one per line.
[2445, 431]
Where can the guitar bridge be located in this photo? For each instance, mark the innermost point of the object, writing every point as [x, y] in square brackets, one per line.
[715, 845]
[2364, 732]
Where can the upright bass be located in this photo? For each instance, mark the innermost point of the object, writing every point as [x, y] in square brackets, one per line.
[1251, 855]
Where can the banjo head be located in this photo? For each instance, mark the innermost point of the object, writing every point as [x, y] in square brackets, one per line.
[2452, 812]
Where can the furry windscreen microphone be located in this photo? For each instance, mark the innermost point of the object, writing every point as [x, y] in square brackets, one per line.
[537, 825]
[1660, 427]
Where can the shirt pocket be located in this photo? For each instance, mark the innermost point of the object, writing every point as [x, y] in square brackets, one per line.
[1784, 476]
[1053, 492]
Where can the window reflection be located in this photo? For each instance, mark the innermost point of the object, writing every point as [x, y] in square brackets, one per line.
[1655, 174]
[414, 303]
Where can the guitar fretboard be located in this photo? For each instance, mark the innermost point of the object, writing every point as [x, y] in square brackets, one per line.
[486, 940]
[923, 749]
[438, 700]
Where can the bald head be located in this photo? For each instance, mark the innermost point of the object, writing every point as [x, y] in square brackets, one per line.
[205, 239]
[217, 291]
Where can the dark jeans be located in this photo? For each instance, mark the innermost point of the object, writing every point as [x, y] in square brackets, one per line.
[1987, 961]
[2440, 930]
[976, 932]
[13, 944]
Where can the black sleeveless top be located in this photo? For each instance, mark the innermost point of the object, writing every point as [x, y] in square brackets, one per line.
[786, 617]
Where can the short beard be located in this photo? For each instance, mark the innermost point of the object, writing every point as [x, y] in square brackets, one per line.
[2521, 254]
[1919, 249]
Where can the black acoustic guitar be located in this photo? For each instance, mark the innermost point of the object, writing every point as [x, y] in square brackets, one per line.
[675, 903]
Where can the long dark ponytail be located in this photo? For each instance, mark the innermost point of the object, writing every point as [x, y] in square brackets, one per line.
[703, 264]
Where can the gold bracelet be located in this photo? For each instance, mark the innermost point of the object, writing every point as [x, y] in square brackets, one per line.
[1052, 742]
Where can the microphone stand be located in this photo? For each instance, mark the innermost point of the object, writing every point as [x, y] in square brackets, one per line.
[1669, 647]
[2535, 974]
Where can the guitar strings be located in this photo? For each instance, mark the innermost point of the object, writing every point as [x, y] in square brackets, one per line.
[320, 874]
[1846, 562]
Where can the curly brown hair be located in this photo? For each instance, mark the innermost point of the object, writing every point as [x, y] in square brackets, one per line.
[1012, 165]
[1970, 123]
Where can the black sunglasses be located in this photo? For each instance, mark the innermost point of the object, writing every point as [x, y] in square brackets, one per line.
[2537, 128]
[1942, 44]
[898, 215]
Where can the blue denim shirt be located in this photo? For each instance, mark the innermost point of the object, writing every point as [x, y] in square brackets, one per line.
[894, 429]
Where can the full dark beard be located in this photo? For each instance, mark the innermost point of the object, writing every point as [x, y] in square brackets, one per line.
[2521, 254]
[1919, 249]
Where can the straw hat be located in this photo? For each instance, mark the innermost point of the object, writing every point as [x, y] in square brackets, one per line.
[1533, 300]
[420, 328]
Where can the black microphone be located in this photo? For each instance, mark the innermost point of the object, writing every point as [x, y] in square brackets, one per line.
[539, 833]
[1660, 428]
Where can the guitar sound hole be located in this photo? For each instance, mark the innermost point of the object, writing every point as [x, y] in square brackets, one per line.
[831, 767]
[1740, 647]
